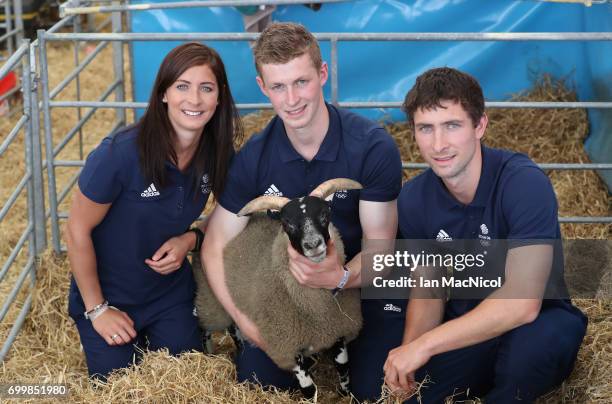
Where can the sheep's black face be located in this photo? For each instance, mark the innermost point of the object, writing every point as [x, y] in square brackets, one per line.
[306, 221]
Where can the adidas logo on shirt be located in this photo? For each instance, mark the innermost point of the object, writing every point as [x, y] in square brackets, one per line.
[149, 192]
[443, 236]
[392, 307]
[273, 191]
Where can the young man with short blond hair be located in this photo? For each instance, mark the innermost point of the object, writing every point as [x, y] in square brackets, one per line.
[308, 142]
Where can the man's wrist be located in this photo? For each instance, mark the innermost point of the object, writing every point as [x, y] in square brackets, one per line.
[343, 281]
[425, 344]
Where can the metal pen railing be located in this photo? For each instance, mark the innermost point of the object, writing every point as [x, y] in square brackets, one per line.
[333, 38]
[21, 58]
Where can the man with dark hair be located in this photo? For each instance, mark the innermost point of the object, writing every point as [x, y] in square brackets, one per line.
[519, 342]
[308, 142]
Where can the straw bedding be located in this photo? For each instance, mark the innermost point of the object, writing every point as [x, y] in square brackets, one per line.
[48, 351]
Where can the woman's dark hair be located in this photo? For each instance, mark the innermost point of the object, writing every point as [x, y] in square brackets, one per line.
[216, 145]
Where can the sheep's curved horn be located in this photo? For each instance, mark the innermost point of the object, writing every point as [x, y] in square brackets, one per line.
[330, 186]
[262, 203]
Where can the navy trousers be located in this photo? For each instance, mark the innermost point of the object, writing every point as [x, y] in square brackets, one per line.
[383, 328]
[516, 367]
[174, 328]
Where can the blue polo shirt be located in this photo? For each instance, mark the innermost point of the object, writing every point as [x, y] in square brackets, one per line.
[354, 147]
[141, 218]
[514, 201]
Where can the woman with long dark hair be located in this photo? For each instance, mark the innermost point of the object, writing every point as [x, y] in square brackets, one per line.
[137, 195]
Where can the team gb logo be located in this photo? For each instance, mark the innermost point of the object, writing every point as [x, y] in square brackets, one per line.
[205, 185]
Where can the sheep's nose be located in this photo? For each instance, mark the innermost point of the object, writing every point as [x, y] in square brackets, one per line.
[311, 245]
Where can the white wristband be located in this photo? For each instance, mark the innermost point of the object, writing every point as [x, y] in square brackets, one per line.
[343, 281]
[94, 313]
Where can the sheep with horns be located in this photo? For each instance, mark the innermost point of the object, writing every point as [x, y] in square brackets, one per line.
[295, 321]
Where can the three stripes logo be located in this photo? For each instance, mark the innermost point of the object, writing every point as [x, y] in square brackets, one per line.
[149, 192]
[273, 191]
[443, 236]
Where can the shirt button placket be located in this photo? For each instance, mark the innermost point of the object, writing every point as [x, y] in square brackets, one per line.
[181, 197]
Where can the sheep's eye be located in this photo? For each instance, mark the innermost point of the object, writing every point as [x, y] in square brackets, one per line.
[323, 219]
[289, 226]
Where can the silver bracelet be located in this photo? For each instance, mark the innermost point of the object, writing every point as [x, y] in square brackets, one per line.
[94, 313]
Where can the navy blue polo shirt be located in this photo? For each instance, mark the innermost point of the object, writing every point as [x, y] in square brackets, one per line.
[514, 200]
[141, 218]
[354, 147]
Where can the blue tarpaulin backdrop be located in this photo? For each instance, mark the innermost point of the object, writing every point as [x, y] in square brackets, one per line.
[384, 71]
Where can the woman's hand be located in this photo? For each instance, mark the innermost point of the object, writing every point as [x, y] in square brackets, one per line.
[115, 326]
[170, 256]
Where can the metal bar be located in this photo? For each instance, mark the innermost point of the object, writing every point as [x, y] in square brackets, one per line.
[11, 297]
[14, 195]
[58, 89]
[373, 104]
[543, 166]
[11, 258]
[77, 28]
[16, 327]
[76, 128]
[52, 190]
[68, 163]
[334, 72]
[344, 36]
[585, 219]
[8, 24]
[13, 60]
[103, 24]
[68, 187]
[18, 20]
[65, 8]
[59, 25]
[492, 104]
[7, 35]
[115, 127]
[14, 132]
[30, 103]
[118, 67]
[29, 153]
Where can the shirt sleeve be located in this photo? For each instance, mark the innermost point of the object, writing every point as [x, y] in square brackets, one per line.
[382, 169]
[409, 216]
[532, 213]
[241, 185]
[100, 179]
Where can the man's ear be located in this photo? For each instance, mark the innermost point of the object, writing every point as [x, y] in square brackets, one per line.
[323, 73]
[481, 127]
[262, 85]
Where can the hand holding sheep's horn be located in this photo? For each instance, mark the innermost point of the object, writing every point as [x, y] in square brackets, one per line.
[325, 274]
